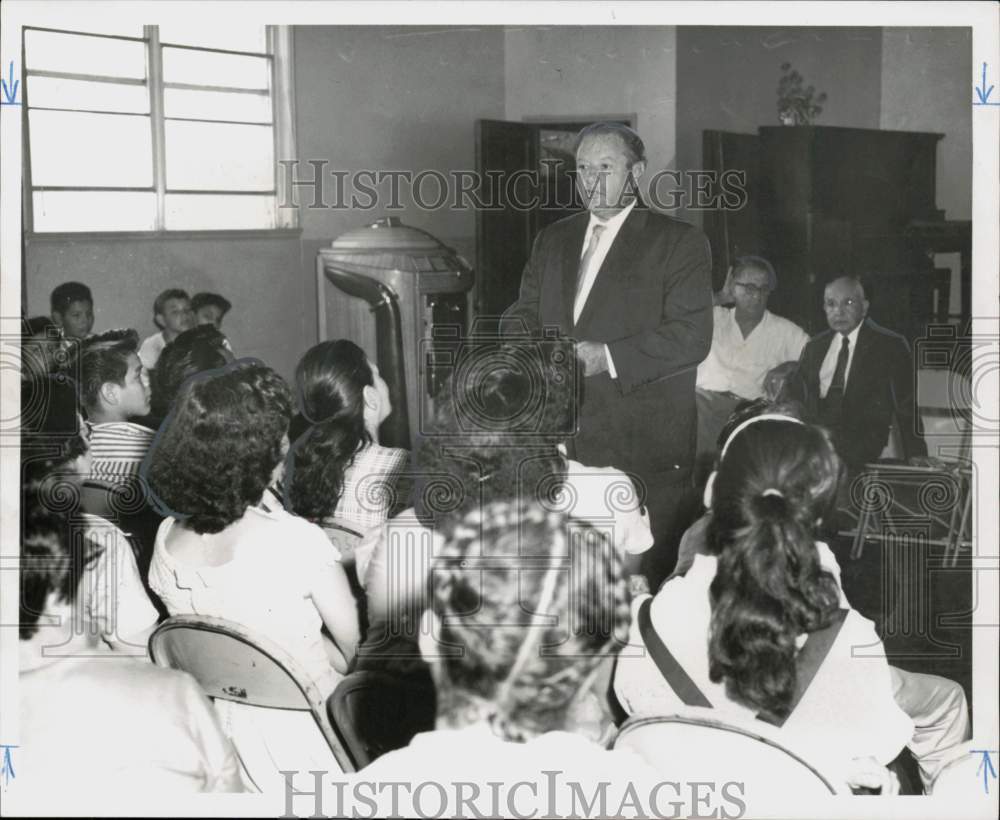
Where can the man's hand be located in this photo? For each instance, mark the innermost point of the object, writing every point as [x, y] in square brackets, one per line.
[591, 354]
[868, 774]
[725, 296]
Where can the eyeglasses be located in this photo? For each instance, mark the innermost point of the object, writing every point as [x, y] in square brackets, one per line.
[753, 290]
[829, 304]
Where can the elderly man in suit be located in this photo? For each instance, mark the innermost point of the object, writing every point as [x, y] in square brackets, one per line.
[633, 287]
[858, 379]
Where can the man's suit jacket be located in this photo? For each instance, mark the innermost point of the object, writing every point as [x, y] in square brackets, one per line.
[651, 303]
[880, 389]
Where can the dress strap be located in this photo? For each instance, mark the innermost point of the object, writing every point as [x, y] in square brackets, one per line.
[672, 671]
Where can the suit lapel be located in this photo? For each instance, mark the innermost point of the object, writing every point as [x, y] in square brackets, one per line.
[617, 263]
[576, 230]
[862, 354]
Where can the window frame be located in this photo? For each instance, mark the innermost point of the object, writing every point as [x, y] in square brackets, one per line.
[279, 53]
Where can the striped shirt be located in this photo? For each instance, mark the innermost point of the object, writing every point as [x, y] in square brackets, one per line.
[372, 487]
[117, 449]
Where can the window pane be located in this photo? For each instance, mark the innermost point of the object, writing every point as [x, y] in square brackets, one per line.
[209, 156]
[216, 105]
[94, 211]
[232, 37]
[52, 92]
[207, 68]
[218, 212]
[90, 150]
[80, 54]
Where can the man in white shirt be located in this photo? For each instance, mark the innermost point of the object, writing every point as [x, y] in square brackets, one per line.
[747, 342]
[172, 313]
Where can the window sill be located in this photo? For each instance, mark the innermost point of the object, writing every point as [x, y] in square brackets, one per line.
[111, 236]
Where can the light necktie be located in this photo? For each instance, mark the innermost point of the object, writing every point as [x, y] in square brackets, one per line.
[585, 262]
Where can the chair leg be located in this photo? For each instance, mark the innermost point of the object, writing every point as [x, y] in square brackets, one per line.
[959, 534]
[864, 514]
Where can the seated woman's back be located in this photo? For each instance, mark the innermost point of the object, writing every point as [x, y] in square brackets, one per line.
[761, 627]
[258, 572]
[225, 551]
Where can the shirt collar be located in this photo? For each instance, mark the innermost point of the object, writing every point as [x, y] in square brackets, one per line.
[852, 336]
[615, 222]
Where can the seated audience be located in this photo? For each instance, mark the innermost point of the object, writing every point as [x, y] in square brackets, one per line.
[210, 309]
[194, 351]
[857, 379]
[337, 470]
[521, 657]
[172, 314]
[114, 388]
[735, 624]
[102, 728]
[220, 552]
[747, 342]
[72, 308]
[496, 434]
[114, 610]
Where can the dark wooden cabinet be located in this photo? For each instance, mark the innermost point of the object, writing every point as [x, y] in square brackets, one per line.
[828, 201]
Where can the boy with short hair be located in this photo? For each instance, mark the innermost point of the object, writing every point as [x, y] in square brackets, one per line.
[114, 388]
[210, 308]
[173, 315]
[72, 308]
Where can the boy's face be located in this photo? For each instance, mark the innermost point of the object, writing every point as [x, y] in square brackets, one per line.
[177, 317]
[77, 320]
[209, 315]
[133, 395]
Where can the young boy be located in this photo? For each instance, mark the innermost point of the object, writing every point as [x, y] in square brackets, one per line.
[114, 388]
[173, 315]
[72, 308]
[210, 308]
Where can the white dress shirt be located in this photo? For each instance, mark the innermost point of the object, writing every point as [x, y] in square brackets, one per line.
[604, 243]
[738, 365]
[829, 365]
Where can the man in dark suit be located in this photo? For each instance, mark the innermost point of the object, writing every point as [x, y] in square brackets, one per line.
[633, 288]
[858, 379]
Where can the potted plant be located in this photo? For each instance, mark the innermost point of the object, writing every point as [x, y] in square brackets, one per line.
[797, 105]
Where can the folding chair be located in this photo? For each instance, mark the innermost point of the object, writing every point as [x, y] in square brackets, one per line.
[888, 492]
[232, 664]
[697, 745]
[377, 713]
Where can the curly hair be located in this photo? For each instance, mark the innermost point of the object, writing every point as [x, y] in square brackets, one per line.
[778, 478]
[194, 351]
[66, 294]
[496, 430]
[330, 428]
[101, 359]
[218, 448]
[529, 603]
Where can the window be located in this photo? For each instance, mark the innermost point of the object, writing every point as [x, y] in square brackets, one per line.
[156, 128]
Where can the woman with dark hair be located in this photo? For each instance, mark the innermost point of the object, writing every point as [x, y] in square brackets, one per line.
[337, 470]
[221, 552]
[746, 623]
[115, 610]
[100, 726]
[526, 616]
[194, 351]
[497, 434]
